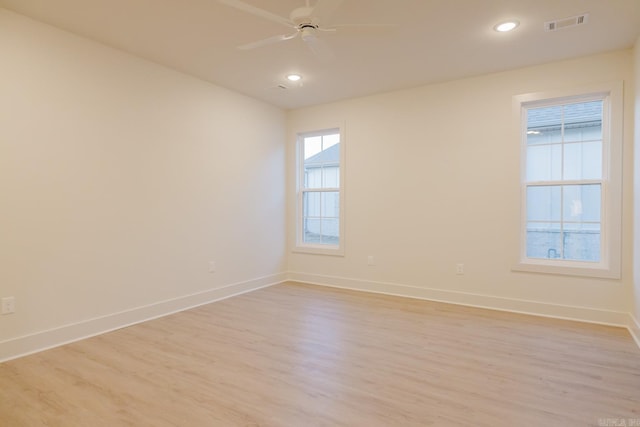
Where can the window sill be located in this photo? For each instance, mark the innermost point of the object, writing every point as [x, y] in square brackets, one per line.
[568, 269]
[319, 250]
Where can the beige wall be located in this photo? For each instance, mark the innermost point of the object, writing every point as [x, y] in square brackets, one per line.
[636, 215]
[121, 179]
[432, 179]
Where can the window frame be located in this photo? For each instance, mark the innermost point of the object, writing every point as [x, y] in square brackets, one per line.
[300, 245]
[611, 190]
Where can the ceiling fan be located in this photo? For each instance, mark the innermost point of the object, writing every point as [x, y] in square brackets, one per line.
[306, 22]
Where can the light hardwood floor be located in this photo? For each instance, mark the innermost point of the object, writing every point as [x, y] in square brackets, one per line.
[299, 355]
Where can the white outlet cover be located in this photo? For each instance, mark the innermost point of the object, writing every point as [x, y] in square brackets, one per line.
[8, 305]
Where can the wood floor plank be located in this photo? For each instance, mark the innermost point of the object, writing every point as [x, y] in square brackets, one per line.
[300, 355]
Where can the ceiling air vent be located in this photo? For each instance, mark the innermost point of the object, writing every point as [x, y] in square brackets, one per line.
[572, 21]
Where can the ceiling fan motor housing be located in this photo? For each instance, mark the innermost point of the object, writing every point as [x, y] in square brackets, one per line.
[304, 22]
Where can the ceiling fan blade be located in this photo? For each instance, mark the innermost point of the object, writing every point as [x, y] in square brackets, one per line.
[268, 41]
[245, 7]
[320, 49]
[365, 29]
[323, 10]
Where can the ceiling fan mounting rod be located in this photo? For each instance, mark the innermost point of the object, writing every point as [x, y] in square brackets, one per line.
[301, 15]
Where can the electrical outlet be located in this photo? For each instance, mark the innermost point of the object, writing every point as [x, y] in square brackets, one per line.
[8, 305]
[459, 269]
[212, 266]
[371, 260]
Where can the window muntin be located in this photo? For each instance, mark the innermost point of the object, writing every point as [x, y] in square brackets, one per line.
[320, 194]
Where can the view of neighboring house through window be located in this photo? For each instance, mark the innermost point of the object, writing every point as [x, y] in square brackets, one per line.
[319, 189]
[564, 174]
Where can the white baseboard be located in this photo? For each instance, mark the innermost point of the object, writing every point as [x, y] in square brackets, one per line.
[43, 340]
[583, 314]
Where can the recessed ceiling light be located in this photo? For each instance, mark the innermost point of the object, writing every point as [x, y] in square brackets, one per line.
[506, 26]
[294, 77]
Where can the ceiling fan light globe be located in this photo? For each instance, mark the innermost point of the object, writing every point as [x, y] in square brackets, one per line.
[308, 34]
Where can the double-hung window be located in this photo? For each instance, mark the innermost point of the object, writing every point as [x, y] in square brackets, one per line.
[570, 183]
[320, 195]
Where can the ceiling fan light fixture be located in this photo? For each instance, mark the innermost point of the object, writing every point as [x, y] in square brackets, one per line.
[294, 77]
[308, 33]
[504, 27]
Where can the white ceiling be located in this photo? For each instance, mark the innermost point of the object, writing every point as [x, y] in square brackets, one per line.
[430, 41]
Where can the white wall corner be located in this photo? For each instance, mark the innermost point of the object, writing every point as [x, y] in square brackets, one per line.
[634, 329]
[634, 323]
[44, 340]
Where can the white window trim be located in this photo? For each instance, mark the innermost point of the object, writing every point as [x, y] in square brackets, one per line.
[611, 219]
[300, 246]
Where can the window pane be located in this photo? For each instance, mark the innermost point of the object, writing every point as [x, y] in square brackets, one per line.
[313, 177]
[330, 231]
[330, 204]
[583, 160]
[329, 141]
[312, 146]
[582, 242]
[543, 203]
[581, 203]
[544, 162]
[311, 230]
[310, 204]
[322, 162]
[323, 154]
[331, 176]
[544, 125]
[544, 240]
[544, 135]
[583, 132]
[583, 121]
